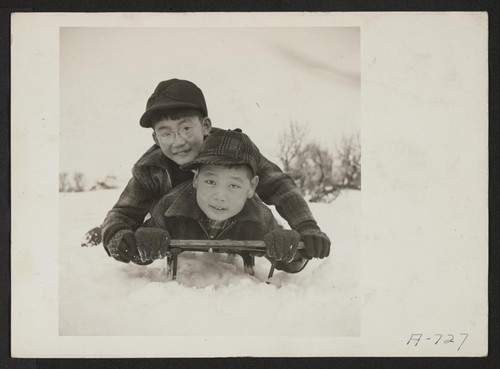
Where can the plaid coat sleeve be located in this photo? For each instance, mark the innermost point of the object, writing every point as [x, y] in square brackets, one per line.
[134, 203]
[278, 189]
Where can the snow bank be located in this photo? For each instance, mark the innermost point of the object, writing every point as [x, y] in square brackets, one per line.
[212, 295]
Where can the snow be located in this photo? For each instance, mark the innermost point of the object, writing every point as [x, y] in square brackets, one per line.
[212, 295]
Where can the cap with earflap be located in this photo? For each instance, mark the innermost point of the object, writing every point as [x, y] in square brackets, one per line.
[173, 94]
[226, 147]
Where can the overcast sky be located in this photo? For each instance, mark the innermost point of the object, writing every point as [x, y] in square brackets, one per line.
[257, 79]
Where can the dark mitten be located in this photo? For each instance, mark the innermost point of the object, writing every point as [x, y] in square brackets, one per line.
[152, 243]
[282, 244]
[316, 243]
[122, 246]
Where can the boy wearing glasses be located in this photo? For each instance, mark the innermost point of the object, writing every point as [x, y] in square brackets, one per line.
[177, 113]
[219, 203]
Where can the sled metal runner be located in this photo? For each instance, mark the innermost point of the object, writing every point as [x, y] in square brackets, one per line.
[247, 249]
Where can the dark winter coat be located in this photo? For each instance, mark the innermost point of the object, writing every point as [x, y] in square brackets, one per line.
[179, 214]
[154, 175]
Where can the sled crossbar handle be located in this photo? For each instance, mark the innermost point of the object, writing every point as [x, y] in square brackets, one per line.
[221, 246]
[225, 244]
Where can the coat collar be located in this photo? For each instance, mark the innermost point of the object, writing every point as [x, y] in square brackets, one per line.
[154, 157]
[185, 206]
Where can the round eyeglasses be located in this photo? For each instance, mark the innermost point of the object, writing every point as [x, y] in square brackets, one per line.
[185, 132]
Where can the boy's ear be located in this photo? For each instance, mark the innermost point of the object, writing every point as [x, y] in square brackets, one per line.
[195, 178]
[206, 123]
[253, 186]
[155, 138]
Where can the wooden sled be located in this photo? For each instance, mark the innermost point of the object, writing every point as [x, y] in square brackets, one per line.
[248, 250]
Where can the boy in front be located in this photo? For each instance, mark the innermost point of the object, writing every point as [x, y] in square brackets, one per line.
[177, 112]
[219, 203]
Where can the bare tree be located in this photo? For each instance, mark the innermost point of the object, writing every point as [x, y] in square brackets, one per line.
[292, 145]
[323, 162]
[79, 179]
[307, 163]
[320, 184]
[348, 169]
[76, 183]
[109, 182]
[63, 182]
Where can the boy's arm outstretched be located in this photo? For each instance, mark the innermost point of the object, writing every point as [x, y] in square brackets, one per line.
[126, 216]
[278, 189]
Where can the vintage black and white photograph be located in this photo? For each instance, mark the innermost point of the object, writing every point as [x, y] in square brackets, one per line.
[249, 185]
[272, 116]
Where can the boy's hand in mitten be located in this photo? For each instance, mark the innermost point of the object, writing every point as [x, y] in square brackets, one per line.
[316, 243]
[282, 244]
[122, 246]
[152, 243]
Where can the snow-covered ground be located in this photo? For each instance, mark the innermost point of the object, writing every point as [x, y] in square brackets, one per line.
[212, 295]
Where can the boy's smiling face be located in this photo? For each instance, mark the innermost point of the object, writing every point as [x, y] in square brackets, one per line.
[221, 191]
[180, 139]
